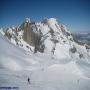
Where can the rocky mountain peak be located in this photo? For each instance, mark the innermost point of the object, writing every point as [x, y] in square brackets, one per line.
[27, 20]
[48, 36]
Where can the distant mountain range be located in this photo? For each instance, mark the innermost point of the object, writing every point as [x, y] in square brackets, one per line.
[83, 37]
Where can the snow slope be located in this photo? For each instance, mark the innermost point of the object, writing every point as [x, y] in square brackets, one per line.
[45, 72]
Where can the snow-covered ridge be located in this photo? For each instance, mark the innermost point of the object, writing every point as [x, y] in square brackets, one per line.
[48, 36]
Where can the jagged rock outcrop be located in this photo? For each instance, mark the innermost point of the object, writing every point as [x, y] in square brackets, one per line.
[31, 34]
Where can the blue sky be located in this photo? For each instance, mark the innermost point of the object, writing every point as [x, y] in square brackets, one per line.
[75, 14]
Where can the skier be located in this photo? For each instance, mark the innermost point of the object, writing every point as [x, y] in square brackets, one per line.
[28, 80]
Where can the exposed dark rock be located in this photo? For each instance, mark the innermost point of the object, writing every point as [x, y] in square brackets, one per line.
[73, 50]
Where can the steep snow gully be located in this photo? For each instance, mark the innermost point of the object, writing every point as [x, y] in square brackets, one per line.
[46, 71]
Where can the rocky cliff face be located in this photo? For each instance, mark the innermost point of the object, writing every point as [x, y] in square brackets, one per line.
[31, 34]
[27, 34]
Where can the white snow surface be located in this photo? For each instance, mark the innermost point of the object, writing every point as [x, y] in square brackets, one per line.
[45, 72]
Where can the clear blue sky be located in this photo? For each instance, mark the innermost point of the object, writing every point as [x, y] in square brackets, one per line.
[73, 13]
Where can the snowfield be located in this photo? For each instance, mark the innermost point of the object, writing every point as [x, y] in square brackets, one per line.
[45, 72]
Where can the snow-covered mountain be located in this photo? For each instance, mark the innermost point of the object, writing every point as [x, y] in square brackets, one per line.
[48, 36]
[47, 53]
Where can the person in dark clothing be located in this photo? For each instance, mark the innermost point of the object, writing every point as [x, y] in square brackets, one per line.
[28, 80]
